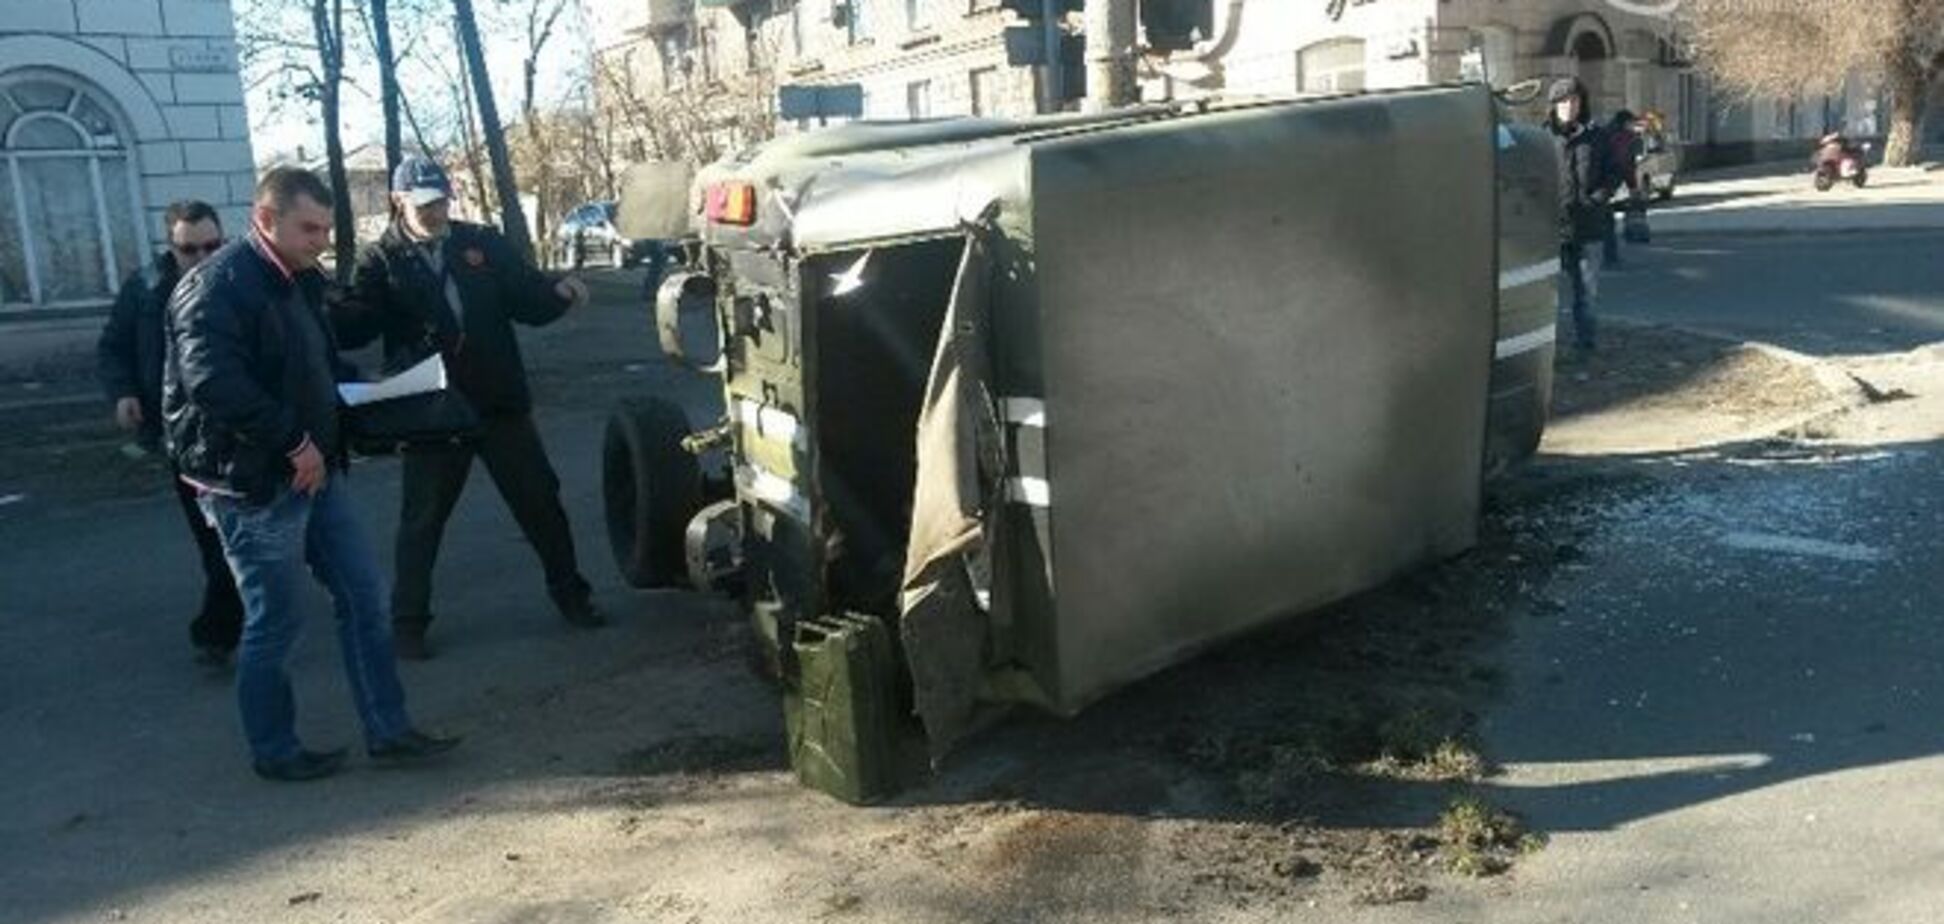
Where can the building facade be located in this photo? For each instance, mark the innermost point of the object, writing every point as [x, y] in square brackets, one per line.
[109, 111]
[925, 58]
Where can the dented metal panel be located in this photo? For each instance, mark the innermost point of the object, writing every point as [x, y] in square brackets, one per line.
[1266, 347]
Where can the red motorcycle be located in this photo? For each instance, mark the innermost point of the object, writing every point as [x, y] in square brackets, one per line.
[1838, 159]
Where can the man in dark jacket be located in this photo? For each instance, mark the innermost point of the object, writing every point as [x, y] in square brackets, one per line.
[437, 286]
[1584, 209]
[250, 405]
[131, 351]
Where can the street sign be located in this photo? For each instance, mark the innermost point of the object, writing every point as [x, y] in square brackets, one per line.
[834, 101]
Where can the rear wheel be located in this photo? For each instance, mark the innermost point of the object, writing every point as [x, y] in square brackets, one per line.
[1825, 181]
[1862, 176]
[651, 488]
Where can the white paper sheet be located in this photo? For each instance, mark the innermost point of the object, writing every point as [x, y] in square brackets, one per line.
[429, 375]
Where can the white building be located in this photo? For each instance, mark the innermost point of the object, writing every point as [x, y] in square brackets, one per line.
[920, 58]
[109, 111]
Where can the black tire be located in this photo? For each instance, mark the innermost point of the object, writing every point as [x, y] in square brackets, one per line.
[1862, 177]
[1665, 194]
[1825, 181]
[576, 252]
[651, 488]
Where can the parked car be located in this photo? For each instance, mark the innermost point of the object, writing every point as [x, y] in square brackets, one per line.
[588, 232]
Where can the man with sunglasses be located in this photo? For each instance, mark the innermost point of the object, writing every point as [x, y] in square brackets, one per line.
[131, 352]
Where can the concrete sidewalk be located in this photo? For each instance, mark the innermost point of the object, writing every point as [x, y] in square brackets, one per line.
[1783, 201]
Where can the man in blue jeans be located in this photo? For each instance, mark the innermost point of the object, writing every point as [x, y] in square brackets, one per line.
[251, 412]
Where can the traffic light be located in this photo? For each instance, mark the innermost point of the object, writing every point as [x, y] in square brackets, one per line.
[1032, 43]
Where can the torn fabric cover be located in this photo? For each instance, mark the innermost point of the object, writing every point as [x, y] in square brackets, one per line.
[944, 625]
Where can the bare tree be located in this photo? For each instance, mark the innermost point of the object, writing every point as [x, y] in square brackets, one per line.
[1789, 48]
[327, 25]
[512, 217]
[303, 71]
[389, 98]
[541, 17]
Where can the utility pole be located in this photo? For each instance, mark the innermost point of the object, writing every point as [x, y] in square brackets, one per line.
[1110, 55]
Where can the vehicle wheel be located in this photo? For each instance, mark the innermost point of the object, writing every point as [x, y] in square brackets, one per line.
[651, 488]
[1825, 182]
[576, 253]
[1862, 176]
[1662, 195]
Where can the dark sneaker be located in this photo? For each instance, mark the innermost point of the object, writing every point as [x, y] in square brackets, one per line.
[409, 645]
[306, 766]
[214, 657]
[411, 748]
[580, 611]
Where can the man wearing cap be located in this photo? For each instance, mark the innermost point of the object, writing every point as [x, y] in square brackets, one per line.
[437, 286]
[1584, 219]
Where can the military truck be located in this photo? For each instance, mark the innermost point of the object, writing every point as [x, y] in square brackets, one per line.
[1020, 411]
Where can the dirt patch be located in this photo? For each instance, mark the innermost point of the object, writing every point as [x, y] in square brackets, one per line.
[1655, 389]
[1309, 763]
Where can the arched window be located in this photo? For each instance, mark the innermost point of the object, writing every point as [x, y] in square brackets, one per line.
[1335, 66]
[68, 201]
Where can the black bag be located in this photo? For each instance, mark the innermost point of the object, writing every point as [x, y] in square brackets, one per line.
[382, 427]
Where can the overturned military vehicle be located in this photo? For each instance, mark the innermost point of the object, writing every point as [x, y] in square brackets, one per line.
[1020, 412]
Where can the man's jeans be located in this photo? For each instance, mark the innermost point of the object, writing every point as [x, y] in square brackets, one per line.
[268, 548]
[1579, 290]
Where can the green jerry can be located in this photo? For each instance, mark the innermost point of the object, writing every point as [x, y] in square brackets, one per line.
[841, 708]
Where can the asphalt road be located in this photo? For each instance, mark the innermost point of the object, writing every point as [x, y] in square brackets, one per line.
[1719, 699]
[1824, 295]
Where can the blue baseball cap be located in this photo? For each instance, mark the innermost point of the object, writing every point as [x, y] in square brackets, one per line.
[422, 180]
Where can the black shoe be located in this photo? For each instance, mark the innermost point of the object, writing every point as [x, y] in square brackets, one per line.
[412, 747]
[307, 765]
[214, 657]
[579, 610]
[409, 645]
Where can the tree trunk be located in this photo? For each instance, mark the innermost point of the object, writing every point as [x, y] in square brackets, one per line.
[1909, 82]
[327, 19]
[542, 167]
[387, 82]
[1110, 55]
[512, 218]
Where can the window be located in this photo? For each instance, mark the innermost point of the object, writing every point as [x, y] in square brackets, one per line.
[69, 206]
[985, 91]
[711, 57]
[918, 99]
[753, 41]
[857, 19]
[796, 27]
[676, 62]
[917, 16]
[1335, 66]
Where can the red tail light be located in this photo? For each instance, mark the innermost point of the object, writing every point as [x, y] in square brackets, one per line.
[732, 204]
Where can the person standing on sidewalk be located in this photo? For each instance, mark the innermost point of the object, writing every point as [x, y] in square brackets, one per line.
[1584, 216]
[437, 286]
[131, 350]
[251, 413]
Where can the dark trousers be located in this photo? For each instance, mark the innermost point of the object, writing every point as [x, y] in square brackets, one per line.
[219, 624]
[434, 477]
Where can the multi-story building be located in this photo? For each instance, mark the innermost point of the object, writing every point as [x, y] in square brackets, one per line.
[921, 58]
[109, 111]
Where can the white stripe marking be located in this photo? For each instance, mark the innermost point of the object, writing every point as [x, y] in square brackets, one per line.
[1528, 275]
[1024, 412]
[1527, 342]
[1033, 492]
[772, 487]
[1796, 545]
[770, 423]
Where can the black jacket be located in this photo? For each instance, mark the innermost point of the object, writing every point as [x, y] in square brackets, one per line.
[395, 295]
[132, 345]
[252, 374]
[1584, 195]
